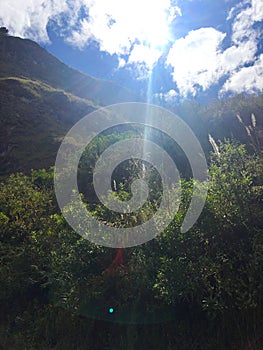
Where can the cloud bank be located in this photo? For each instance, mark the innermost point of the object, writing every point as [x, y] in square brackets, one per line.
[199, 61]
[138, 32]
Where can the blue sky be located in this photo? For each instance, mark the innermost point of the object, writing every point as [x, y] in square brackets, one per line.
[184, 47]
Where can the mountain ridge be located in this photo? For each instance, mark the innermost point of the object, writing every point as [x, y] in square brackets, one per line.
[42, 65]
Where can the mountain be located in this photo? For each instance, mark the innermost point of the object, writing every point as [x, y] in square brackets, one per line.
[40, 99]
[33, 119]
[26, 59]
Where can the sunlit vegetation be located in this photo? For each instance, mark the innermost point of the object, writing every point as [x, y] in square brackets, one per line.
[205, 287]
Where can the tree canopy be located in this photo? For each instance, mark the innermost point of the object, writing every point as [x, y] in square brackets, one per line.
[3, 31]
[199, 290]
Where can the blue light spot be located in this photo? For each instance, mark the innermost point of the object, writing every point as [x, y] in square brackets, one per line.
[111, 310]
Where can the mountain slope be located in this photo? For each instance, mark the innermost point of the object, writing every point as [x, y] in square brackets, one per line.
[40, 99]
[26, 59]
[34, 117]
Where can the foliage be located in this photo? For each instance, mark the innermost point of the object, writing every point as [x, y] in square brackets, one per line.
[3, 31]
[204, 287]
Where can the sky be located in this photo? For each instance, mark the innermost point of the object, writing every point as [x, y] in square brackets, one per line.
[172, 49]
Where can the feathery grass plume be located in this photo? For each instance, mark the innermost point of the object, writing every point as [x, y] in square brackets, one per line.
[248, 130]
[239, 119]
[214, 145]
[253, 120]
[143, 170]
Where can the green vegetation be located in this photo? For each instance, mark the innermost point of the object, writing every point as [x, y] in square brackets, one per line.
[199, 290]
[3, 31]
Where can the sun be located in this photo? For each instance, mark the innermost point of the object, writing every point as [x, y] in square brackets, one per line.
[136, 31]
[152, 22]
[142, 21]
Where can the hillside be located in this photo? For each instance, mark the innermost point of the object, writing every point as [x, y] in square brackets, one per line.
[40, 99]
[33, 119]
[226, 119]
[26, 59]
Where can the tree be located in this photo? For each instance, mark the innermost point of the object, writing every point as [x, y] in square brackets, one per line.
[3, 31]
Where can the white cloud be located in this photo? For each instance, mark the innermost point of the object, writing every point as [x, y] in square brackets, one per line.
[237, 56]
[195, 59]
[245, 37]
[257, 10]
[30, 18]
[171, 93]
[243, 24]
[198, 59]
[122, 63]
[169, 96]
[141, 53]
[236, 9]
[247, 79]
